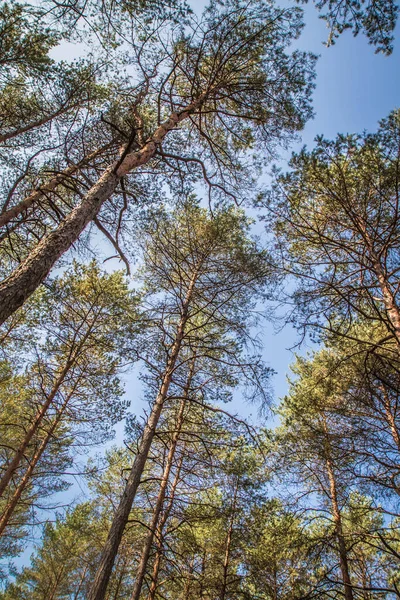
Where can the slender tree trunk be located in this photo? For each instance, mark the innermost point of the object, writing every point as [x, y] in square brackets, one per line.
[55, 586]
[141, 571]
[19, 286]
[8, 214]
[8, 512]
[9, 135]
[119, 584]
[188, 585]
[110, 550]
[275, 584]
[203, 570]
[12, 467]
[228, 544]
[337, 519]
[82, 579]
[160, 531]
[391, 421]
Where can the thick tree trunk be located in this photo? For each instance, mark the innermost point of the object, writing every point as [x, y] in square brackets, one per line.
[7, 215]
[11, 505]
[19, 286]
[337, 519]
[110, 550]
[141, 571]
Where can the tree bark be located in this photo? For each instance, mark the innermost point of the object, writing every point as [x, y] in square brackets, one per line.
[159, 533]
[141, 571]
[337, 519]
[110, 550]
[19, 286]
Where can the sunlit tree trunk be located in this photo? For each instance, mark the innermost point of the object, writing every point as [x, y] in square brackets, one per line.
[160, 532]
[11, 505]
[20, 452]
[16, 288]
[99, 586]
[141, 571]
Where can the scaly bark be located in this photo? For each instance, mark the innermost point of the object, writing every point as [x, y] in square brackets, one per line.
[19, 286]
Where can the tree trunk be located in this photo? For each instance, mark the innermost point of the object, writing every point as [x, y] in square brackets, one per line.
[110, 550]
[389, 301]
[7, 215]
[8, 512]
[12, 467]
[19, 286]
[390, 419]
[141, 571]
[82, 579]
[160, 530]
[228, 544]
[189, 581]
[337, 519]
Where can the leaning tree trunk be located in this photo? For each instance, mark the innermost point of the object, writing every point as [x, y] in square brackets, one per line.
[11, 505]
[110, 550]
[141, 571]
[19, 286]
[19, 453]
